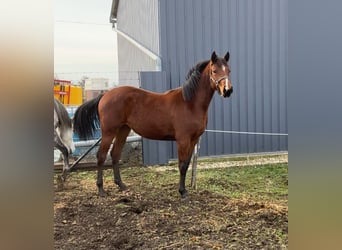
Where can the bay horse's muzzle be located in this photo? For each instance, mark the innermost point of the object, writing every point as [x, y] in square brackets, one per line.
[227, 93]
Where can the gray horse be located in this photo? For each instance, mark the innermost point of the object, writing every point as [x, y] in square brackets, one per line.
[63, 134]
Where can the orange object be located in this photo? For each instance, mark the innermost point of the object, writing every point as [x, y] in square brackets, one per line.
[67, 93]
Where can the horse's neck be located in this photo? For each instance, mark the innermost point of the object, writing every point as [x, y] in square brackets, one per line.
[205, 92]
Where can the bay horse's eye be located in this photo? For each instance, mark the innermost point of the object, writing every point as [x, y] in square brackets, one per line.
[214, 71]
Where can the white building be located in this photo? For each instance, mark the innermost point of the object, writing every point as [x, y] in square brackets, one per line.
[94, 86]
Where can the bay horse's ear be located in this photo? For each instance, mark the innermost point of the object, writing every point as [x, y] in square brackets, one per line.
[226, 57]
[213, 57]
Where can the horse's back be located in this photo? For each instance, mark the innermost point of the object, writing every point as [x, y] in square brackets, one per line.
[148, 113]
[128, 96]
[123, 91]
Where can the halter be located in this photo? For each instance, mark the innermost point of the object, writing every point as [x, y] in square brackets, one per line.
[217, 81]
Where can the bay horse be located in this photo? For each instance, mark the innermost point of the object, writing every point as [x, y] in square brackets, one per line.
[179, 114]
[63, 133]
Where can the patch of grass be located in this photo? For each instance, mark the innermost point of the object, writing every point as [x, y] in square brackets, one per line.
[121, 206]
[269, 182]
[264, 182]
[83, 175]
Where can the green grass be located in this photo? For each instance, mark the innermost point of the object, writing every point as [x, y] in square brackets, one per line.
[268, 182]
[265, 182]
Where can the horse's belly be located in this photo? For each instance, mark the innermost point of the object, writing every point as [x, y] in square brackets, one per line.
[152, 130]
[154, 134]
[156, 123]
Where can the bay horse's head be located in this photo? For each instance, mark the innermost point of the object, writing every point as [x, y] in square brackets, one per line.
[219, 74]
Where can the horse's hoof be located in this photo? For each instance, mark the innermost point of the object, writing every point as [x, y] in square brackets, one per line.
[102, 193]
[122, 187]
[184, 194]
[184, 197]
[60, 185]
[61, 178]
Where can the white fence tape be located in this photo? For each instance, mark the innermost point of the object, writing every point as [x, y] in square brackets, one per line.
[244, 133]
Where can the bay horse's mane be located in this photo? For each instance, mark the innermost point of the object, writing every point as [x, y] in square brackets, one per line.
[192, 80]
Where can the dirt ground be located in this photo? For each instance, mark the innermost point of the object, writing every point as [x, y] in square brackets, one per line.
[153, 216]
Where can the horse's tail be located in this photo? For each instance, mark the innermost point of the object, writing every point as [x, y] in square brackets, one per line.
[86, 118]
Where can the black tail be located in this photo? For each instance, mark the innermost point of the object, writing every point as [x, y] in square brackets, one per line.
[86, 118]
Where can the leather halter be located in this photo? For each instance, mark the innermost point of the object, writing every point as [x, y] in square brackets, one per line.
[217, 81]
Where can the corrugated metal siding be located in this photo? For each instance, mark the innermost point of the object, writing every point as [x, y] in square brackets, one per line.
[255, 33]
[131, 61]
[155, 152]
[140, 20]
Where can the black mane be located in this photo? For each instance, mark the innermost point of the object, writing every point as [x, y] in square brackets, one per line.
[192, 80]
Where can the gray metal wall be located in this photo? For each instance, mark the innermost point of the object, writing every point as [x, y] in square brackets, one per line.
[255, 33]
[155, 152]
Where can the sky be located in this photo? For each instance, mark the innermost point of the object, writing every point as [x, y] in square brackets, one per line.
[84, 42]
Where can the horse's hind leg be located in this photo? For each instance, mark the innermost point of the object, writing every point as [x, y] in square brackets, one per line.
[65, 152]
[65, 164]
[101, 157]
[119, 142]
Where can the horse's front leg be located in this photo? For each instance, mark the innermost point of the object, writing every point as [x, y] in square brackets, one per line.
[183, 168]
[185, 149]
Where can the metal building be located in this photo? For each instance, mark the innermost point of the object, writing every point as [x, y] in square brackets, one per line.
[160, 40]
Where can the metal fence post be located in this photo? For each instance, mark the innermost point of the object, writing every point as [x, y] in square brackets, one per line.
[194, 165]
